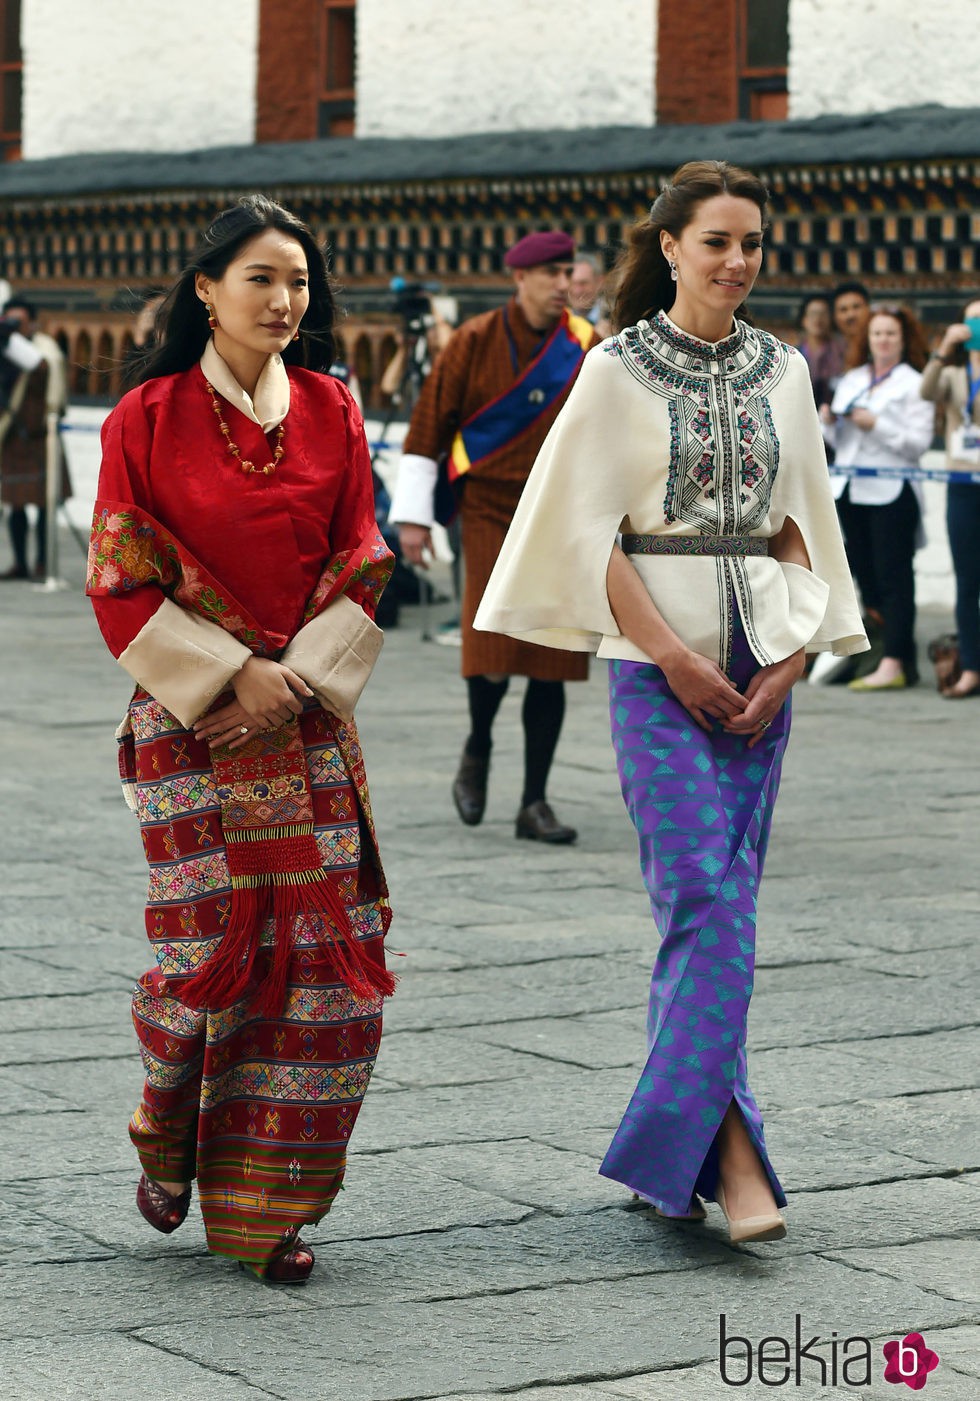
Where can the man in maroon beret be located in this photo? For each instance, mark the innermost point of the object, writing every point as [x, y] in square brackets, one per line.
[481, 418]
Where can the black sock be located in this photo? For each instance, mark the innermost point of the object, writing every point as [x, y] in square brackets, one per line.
[42, 538]
[17, 524]
[485, 697]
[543, 712]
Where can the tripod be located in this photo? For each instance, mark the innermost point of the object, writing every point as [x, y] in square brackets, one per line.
[416, 366]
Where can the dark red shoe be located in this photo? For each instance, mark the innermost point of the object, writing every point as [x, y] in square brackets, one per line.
[163, 1211]
[292, 1264]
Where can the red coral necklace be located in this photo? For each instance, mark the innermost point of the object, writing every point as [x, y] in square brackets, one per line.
[233, 447]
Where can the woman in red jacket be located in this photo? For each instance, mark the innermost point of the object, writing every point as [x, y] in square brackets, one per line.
[234, 556]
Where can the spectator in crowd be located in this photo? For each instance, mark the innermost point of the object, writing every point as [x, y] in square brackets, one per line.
[585, 289]
[822, 350]
[878, 419]
[952, 380]
[851, 301]
[24, 441]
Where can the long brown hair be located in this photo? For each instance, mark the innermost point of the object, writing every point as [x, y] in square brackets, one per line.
[915, 347]
[641, 277]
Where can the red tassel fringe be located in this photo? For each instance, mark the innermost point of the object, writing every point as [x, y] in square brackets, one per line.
[229, 974]
[226, 976]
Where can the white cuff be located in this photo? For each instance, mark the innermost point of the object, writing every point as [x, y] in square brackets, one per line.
[413, 500]
[22, 353]
[335, 653]
[183, 660]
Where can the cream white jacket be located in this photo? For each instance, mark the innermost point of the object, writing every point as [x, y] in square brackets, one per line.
[666, 434]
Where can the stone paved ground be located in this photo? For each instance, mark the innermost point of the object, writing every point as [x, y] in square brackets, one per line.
[475, 1252]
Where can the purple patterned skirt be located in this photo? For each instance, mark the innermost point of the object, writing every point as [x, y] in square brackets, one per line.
[702, 807]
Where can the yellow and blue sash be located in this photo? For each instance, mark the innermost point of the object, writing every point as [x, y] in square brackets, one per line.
[506, 418]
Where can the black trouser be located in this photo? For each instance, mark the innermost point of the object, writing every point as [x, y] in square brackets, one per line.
[963, 526]
[17, 525]
[858, 549]
[541, 714]
[882, 539]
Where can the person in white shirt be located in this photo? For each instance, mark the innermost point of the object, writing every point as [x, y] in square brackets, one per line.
[878, 420]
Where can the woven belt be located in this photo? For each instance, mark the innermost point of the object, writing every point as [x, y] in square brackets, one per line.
[695, 545]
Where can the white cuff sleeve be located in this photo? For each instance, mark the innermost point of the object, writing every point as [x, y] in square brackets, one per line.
[22, 353]
[183, 660]
[413, 500]
[335, 653]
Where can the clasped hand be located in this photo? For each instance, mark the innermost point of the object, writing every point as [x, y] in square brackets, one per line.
[708, 695]
[267, 694]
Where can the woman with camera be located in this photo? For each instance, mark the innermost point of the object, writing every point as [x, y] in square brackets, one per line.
[878, 420]
[952, 380]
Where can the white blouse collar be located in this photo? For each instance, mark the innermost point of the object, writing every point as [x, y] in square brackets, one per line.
[270, 403]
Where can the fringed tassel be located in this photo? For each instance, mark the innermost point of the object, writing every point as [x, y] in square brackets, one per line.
[320, 901]
[230, 973]
[226, 976]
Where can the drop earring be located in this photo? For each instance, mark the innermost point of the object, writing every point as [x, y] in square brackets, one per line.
[212, 319]
[673, 272]
[296, 334]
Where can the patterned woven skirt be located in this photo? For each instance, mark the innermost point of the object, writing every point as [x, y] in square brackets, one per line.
[259, 1111]
[702, 807]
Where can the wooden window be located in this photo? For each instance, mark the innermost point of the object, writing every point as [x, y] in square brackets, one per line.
[11, 80]
[763, 57]
[337, 63]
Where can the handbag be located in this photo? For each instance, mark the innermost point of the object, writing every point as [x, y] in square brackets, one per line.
[944, 653]
[335, 653]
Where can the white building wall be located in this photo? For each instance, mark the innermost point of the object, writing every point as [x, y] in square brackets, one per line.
[854, 56]
[131, 75]
[446, 67]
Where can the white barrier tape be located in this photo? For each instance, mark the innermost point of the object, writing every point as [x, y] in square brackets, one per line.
[908, 474]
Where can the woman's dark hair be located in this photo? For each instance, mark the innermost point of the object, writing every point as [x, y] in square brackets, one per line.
[181, 322]
[641, 277]
[915, 348]
[807, 303]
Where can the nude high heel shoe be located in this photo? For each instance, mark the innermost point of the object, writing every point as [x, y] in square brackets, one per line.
[772, 1226]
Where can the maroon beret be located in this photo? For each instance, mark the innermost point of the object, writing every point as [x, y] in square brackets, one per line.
[545, 246]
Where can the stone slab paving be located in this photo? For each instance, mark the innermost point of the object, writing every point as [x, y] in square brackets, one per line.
[475, 1252]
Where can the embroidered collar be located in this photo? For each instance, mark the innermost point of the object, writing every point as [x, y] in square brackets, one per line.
[270, 403]
[661, 326]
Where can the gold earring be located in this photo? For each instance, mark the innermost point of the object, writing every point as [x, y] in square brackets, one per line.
[212, 319]
[296, 334]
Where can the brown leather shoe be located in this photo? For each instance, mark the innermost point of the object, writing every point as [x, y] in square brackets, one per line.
[537, 823]
[470, 788]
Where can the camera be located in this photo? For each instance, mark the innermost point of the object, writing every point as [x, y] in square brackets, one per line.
[412, 303]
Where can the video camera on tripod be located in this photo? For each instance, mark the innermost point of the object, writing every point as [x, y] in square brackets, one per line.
[413, 304]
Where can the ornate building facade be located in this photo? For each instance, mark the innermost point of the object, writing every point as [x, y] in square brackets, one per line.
[890, 199]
